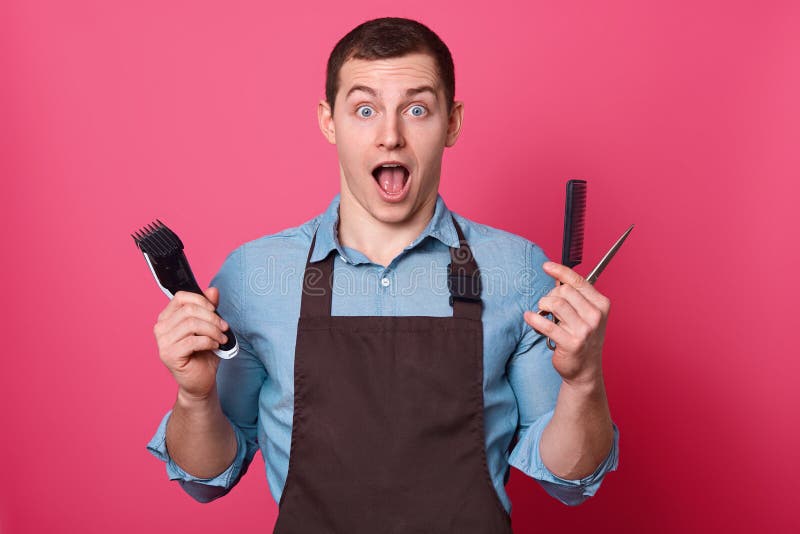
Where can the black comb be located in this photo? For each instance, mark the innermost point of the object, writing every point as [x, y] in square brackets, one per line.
[574, 217]
[163, 251]
[572, 246]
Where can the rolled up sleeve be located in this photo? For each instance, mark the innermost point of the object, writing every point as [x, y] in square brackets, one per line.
[526, 458]
[201, 489]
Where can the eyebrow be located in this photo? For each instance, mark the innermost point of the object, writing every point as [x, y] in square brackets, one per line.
[411, 92]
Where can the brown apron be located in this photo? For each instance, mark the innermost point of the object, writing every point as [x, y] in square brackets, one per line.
[388, 432]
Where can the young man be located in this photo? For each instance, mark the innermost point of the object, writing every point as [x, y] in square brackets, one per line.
[384, 394]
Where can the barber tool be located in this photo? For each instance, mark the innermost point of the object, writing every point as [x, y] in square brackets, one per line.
[572, 246]
[163, 251]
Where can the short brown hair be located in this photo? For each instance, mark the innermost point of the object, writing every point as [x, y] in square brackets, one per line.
[390, 37]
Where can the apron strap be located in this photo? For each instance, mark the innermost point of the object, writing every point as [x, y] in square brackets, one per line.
[317, 283]
[463, 282]
[464, 279]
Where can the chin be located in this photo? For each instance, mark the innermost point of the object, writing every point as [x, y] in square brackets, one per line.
[390, 213]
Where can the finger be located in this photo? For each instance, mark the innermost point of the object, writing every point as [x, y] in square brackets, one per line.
[546, 327]
[566, 275]
[191, 344]
[181, 298]
[187, 297]
[566, 314]
[192, 326]
[188, 310]
[586, 310]
[212, 294]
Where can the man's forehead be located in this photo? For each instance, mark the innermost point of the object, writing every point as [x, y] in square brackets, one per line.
[413, 73]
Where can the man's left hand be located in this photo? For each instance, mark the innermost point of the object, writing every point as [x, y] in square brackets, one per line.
[582, 312]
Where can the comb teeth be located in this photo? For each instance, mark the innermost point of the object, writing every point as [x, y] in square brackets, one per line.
[157, 240]
[574, 216]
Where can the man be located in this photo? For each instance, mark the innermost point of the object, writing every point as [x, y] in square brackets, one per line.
[382, 399]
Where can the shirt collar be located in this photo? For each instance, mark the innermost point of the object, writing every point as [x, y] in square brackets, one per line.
[440, 227]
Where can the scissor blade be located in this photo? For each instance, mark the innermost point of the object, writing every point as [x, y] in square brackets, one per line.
[592, 278]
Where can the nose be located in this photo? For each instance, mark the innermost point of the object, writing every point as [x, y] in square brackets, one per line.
[390, 134]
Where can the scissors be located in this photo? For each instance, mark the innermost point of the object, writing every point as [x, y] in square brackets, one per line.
[594, 275]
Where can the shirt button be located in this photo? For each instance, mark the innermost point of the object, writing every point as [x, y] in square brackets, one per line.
[343, 258]
[385, 282]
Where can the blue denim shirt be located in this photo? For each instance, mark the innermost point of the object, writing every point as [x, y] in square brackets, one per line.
[260, 285]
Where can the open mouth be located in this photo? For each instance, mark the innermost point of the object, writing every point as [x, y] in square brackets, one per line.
[391, 177]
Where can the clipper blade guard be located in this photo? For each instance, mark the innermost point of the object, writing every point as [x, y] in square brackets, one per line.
[163, 252]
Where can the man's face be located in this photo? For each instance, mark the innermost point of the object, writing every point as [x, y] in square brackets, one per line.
[390, 112]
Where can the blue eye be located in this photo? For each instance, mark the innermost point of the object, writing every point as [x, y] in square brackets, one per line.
[417, 110]
[364, 111]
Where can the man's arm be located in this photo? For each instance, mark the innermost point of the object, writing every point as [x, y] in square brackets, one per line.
[572, 414]
[580, 434]
[199, 437]
[238, 385]
[209, 438]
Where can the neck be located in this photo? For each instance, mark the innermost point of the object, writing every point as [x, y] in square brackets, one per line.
[380, 241]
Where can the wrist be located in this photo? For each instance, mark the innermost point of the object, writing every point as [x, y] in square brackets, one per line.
[588, 385]
[193, 402]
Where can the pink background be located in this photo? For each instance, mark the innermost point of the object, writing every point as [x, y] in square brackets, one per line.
[682, 116]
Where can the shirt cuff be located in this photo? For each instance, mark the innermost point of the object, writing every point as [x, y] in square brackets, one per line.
[158, 448]
[527, 458]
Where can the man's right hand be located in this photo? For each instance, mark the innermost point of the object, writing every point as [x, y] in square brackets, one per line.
[187, 331]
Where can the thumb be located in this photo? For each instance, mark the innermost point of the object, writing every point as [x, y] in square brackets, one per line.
[212, 294]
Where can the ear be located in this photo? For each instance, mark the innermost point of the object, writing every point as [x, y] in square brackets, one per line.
[325, 118]
[454, 123]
